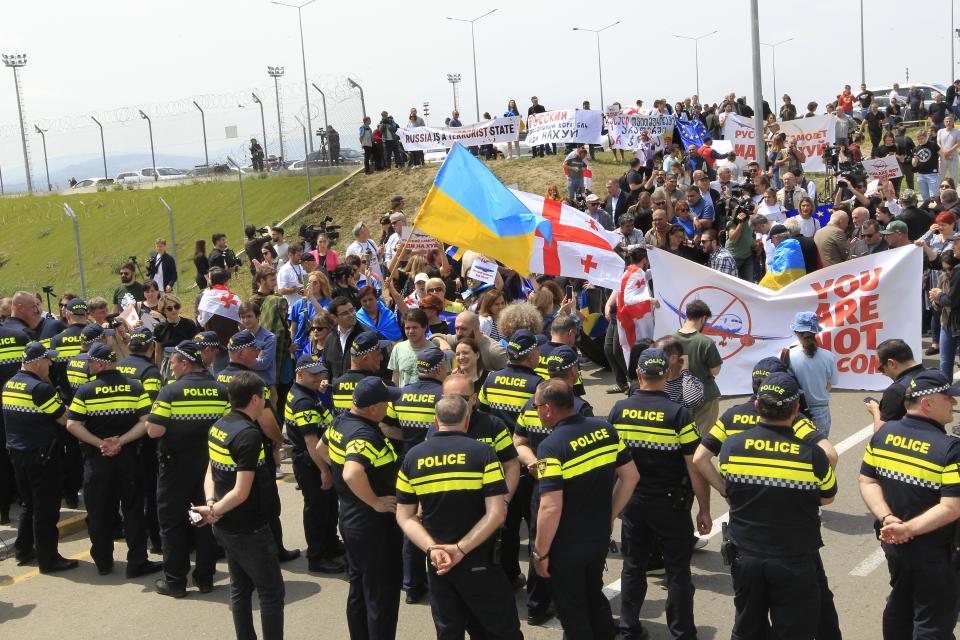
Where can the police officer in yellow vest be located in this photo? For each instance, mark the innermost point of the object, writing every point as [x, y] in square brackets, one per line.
[67, 343]
[563, 333]
[12, 342]
[33, 416]
[458, 484]
[108, 414]
[365, 360]
[775, 484]
[180, 421]
[910, 481]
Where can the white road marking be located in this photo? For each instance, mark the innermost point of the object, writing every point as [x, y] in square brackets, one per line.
[871, 562]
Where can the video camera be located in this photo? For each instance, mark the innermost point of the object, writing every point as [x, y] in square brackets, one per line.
[831, 157]
[310, 232]
[741, 199]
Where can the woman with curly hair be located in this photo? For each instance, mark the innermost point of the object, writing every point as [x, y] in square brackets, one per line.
[520, 315]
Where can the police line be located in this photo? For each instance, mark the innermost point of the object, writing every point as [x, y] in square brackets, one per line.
[860, 303]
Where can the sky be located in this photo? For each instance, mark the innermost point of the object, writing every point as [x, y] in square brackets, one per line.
[109, 58]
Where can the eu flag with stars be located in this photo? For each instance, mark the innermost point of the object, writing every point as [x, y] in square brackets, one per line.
[691, 132]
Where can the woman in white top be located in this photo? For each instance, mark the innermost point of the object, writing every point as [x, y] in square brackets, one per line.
[808, 224]
[770, 208]
[491, 304]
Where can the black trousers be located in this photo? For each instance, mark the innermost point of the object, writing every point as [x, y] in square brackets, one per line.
[180, 485]
[71, 469]
[538, 589]
[109, 484]
[414, 566]
[650, 524]
[375, 573]
[475, 595]
[778, 593]
[518, 510]
[8, 481]
[576, 580]
[614, 353]
[923, 597]
[273, 498]
[38, 480]
[253, 564]
[829, 626]
[369, 162]
[148, 458]
[320, 508]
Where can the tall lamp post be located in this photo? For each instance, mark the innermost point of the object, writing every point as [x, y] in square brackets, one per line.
[303, 56]
[363, 105]
[773, 47]
[757, 83]
[153, 156]
[454, 80]
[473, 44]
[696, 53]
[1, 182]
[276, 73]
[863, 59]
[599, 63]
[203, 124]
[326, 124]
[15, 61]
[103, 147]
[263, 122]
[306, 158]
[46, 165]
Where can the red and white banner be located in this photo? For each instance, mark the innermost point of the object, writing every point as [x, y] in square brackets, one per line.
[565, 126]
[580, 247]
[506, 129]
[860, 304]
[812, 136]
[886, 167]
[634, 309]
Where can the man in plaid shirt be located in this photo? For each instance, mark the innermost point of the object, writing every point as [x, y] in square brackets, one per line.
[718, 258]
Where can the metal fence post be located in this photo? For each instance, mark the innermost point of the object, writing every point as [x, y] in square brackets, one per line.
[173, 237]
[76, 235]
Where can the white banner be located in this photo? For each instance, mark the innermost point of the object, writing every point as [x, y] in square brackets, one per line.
[886, 167]
[489, 132]
[564, 126]
[860, 304]
[419, 242]
[625, 130]
[812, 136]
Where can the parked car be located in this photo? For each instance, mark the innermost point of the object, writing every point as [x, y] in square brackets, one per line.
[93, 182]
[147, 175]
[881, 95]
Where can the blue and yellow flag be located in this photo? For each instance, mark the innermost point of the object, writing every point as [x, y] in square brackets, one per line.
[469, 207]
[787, 265]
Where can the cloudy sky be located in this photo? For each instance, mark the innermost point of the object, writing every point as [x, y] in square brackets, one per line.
[98, 57]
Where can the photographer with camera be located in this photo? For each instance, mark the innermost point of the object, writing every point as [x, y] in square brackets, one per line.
[222, 256]
[739, 237]
[391, 144]
[162, 267]
[253, 246]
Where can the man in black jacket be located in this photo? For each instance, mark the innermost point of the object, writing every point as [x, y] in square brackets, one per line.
[917, 220]
[616, 203]
[162, 267]
[336, 348]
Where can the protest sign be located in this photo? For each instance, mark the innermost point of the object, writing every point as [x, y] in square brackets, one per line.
[483, 269]
[489, 132]
[625, 130]
[859, 304]
[886, 167]
[812, 136]
[564, 126]
[419, 242]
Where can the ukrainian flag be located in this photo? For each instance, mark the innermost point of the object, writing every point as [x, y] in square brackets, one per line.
[787, 265]
[469, 207]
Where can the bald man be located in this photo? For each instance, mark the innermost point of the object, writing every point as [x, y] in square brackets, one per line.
[493, 356]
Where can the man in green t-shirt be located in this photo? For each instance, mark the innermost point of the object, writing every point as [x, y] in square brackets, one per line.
[740, 244]
[704, 361]
[403, 357]
[127, 285]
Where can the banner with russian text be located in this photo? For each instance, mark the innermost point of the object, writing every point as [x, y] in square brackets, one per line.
[886, 167]
[488, 132]
[625, 130]
[860, 303]
[812, 136]
[564, 126]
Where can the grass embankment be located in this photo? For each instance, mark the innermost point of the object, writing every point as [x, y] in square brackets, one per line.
[37, 243]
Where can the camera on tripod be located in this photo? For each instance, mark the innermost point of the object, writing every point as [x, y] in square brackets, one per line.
[310, 232]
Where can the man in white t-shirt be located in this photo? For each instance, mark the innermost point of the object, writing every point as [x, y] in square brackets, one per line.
[948, 138]
[362, 245]
[279, 244]
[290, 276]
[397, 223]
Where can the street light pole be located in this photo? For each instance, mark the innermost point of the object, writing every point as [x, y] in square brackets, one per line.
[306, 159]
[473, 43]
[696, 53]
[15, 61]
[153, 156]
[46, 165]
[773, 48]
[599, 62]
[363, 105]
[243, 208]
[303, 56]
[203, 123]
[757, 85]
[326, 124]
[454, 80]
[263, 122]
[76, 238]
[863, 59]
[276, 73]
[1, 181]
[103, 147]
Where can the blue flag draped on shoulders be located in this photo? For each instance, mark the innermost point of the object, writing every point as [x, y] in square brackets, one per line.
[691, 132]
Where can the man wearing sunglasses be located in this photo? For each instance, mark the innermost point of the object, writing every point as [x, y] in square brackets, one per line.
[870, 241]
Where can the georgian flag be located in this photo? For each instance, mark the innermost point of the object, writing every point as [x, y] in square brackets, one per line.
[634, 309]
[218, 301]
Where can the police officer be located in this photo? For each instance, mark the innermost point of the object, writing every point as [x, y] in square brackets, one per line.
[180, 420]
[896, 361]
[306, 419]
[108, 414]
[365, 360]
[364, 466]
[139, 365]
[209, 345]
[586, 477]
[661, 437]
[459, 485]
[33, 415]
[563, 332]
[562, 363]
[12, 342]
[503, 394]
[242, 352]
[414, 414]
[77, 372]
[775, 484]
[910, 481]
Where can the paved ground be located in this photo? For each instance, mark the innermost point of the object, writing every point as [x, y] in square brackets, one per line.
[82, 604]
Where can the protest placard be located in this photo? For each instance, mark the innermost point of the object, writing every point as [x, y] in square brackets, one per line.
[812, 136]
[886, 167]
[489, 132]
[565, 126]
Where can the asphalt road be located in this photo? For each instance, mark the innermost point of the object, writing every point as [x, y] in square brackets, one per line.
[83, 604]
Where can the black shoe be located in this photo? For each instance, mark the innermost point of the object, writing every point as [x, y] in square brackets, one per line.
[105, 570]
[337, 549]
[204, 586]
[26, 558]
[415, 595]
[537, 618]
[326, 565]
[143, 569]
[164, 588]
[286, 555]
[73, 502]
[519, 582]
[61, 564]
[156, 550]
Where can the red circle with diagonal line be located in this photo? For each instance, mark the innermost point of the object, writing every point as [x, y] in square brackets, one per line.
[730, 326]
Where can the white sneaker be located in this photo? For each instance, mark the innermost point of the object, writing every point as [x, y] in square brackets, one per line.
[701, 543]
[280, 474]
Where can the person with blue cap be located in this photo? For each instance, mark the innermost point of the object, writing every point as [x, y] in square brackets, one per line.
[814, 368]
[366, 357]
[909, 480]
[775, 484]
[209, 344]
[12, 342]
[365, 466]
[33, 417]
[67, 343]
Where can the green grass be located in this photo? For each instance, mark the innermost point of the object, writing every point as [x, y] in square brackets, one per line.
[37, 243]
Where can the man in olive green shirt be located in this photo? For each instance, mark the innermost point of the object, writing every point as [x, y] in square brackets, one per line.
[740, 244]
[704, 361]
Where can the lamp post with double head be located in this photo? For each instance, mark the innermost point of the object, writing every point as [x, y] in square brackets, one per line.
[16, 61]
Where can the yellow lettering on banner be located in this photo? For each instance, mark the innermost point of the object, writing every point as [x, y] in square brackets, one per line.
[588, 439]
[18, 386]
[773, 446]
[643, 414]
[744, 419]
[218, 434]
[507, 381]
[910, 444]
[444, 460]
